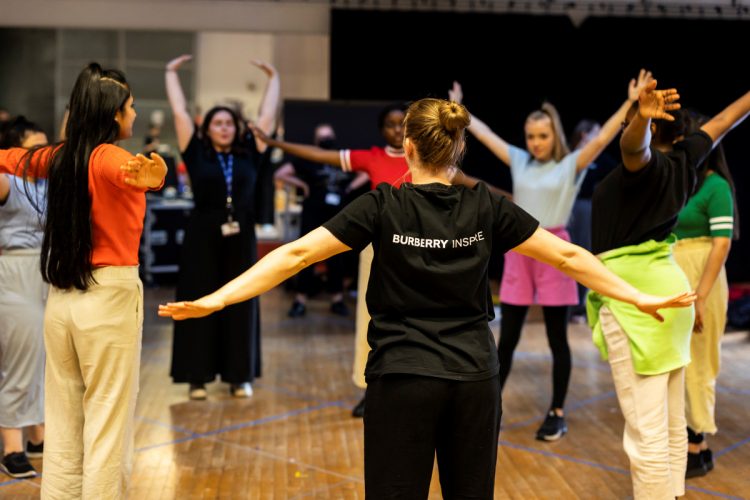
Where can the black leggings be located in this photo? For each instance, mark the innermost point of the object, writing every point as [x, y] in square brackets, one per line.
[409, 419]
[556, 323]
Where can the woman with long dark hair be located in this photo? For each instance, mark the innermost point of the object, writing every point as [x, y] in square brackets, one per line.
[225, 172]
[94, 315]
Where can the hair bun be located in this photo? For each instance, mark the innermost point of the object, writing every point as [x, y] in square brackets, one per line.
[453, 116]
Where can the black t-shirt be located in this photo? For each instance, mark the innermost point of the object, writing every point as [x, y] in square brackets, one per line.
[249, 178]
[323, 180]
[629, 208]
[428, 293]
[595, 173]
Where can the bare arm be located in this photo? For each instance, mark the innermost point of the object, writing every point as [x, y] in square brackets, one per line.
[591, 151]
[635, 140]
[183, 123]
[286, 174]
[481, 131]
[716, 258]
[4, 189]
[277, 266]
[304, 151]
[360, 179]
[269, 104]
[583, 267]
[459, 178]
[729, 118]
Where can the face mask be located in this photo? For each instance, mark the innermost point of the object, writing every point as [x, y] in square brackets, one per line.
[327, 143]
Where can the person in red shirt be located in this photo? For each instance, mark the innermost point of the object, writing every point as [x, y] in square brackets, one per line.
[94, 316]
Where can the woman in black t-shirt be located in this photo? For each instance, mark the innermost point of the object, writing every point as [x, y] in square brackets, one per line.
[433, 370]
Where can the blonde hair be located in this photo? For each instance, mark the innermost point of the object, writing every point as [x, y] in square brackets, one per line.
[560, 149]
[436, 128]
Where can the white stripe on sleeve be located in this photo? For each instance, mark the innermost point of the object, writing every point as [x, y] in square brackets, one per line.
[346, 160]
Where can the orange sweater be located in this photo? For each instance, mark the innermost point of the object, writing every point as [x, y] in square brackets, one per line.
[117, 209]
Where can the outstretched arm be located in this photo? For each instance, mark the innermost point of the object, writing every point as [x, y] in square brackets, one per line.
[460, 178]
[635, 140]
[183, 123]
[304, 151]
[729, 118]
[583, 267]
[481, 131]
[277, 266]
[591, 151]
[4, 188]
[269, 104]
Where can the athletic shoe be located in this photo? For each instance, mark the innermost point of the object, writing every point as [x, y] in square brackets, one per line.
[17, 465]
[553, 427]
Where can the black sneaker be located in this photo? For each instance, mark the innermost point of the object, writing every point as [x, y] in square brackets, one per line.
[34, 450]
[553, 428]
[696, 467]
[708, 459]
[339, 308]
[359, 410]
[297, 310]
[17, 465]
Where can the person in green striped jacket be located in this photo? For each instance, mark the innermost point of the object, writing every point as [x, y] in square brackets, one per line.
[705, 228]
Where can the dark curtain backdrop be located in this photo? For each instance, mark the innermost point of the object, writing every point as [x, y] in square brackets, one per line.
[509, 63]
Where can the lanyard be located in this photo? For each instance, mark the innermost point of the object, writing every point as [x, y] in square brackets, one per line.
[227, 167]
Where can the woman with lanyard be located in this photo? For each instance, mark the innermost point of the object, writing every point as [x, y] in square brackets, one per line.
[546, 179]
[219, 239]
[432, 374]
[634, 211]
[94, 316]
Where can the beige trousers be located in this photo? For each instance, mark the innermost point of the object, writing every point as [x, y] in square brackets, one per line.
[361, 347]
[655, 438]
[705, 347]
[93, 342]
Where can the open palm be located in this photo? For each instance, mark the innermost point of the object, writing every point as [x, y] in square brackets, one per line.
[650, 304]
[654, 103]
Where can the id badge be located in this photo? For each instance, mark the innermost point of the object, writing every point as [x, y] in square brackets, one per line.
[333, 199]
[230, 228]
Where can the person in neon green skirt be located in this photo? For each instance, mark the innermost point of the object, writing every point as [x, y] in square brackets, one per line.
[635, 209]
[705, 228]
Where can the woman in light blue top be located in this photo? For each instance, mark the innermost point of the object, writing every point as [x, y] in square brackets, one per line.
[546, 179]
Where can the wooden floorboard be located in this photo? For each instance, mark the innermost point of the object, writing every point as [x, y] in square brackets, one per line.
[295, 438]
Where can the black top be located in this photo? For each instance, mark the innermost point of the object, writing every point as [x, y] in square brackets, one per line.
[428, 293]
[629, 208]
[323, 180]
[595, 173]
[249, 184]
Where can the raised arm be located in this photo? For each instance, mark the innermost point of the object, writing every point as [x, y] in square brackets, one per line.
[583, 267]
[269, 105]
[304, 151]
[636, 138]
[591, 151]
[481, 131]
[729, 118]
[183, 123]
[274, 268]
[13, 161]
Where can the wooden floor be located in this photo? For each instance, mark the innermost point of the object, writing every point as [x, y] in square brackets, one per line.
[295, 437]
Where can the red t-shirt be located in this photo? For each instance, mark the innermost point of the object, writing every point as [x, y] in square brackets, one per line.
[117, 209]
[382, 165]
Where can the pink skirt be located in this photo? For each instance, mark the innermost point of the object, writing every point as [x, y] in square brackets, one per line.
[527, 281]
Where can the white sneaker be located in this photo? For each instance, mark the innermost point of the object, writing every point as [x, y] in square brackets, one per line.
[197, 392]
[243, 390]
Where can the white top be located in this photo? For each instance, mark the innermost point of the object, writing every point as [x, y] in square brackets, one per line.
[545, 190]
[20, 223]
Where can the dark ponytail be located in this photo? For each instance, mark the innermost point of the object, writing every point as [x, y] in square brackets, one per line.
[67, 246]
